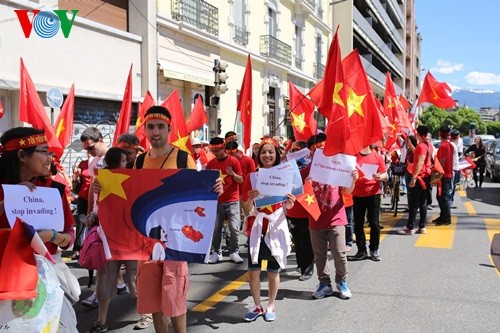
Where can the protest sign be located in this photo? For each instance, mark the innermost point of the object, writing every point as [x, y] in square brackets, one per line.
[333, 170]
[301, 156]
[42, 208]
[274, 182]
[369, 170]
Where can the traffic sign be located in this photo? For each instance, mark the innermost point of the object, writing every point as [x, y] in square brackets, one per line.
[54, 97]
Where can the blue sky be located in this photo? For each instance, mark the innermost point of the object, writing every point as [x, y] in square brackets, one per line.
[461, 41]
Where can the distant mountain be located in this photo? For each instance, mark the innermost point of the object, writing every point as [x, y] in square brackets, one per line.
[476, 99]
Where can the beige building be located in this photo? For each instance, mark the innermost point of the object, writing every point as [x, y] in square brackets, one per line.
[173, 44]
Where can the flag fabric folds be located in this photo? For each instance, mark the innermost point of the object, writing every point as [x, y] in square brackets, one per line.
[123, 123]
[198, 116]
[140, 132]
[1, 109]
[362, 111]
[245, 104]
[308, 201]
[437, 93]
[176, 208]
[301, 114]
[334, 99]
[18, 272]
[64, 122]
[31, 110]
[179, 135]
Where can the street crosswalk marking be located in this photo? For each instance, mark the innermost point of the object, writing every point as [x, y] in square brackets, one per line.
[492, 228]
[438, 237]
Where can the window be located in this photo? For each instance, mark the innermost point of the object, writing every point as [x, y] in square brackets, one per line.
[271, 12]
[240, 33]
[298, 47]
[319, 53]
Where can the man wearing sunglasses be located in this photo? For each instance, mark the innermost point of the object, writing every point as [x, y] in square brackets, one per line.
[93, 143]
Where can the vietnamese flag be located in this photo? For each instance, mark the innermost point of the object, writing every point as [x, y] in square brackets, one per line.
[174, 207]
[1, 109]
[308, 201]
[139, 129]
[393, 105]
[31, 111]
[362, 110]
[64, 122]
[301, 114]
[179, 135]
[123, 123]
[404, 102]
[245, 104]
[198, 116]
[18, 271]
[437, 93]
[334, 98]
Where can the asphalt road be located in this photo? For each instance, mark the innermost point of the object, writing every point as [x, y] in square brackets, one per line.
[443, 281]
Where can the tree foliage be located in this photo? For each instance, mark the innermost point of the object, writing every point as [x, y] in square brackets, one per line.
[434, 117]
[493, 127]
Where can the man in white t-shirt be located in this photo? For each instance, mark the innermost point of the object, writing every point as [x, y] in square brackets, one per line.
[455, 136]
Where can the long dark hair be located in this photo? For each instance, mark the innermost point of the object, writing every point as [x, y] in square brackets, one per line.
[10, 165]
[276, 151]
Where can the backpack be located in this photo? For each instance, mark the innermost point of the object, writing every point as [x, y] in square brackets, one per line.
[92, 252]
[437, 171]
[181, 160]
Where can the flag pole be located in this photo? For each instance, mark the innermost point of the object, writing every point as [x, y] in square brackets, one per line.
[289, 111]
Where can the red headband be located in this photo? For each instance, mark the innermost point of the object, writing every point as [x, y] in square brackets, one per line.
[231, 138]
[217, 146]
[232, 151]
[25, 142]
[156, 116]
[270, 141]
[127, 145]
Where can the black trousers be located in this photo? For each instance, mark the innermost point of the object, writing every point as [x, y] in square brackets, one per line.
[302, 240]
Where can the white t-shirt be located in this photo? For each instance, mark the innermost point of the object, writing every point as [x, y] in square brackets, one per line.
[455, 157]
[460, 145]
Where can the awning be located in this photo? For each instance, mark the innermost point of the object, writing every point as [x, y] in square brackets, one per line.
[182, 72]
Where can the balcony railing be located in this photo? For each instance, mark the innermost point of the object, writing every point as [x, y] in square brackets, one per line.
[240, 35]
[198, 13]
[275, 49]
[319, 71]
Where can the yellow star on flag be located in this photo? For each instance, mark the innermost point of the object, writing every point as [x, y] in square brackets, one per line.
[181, 142]
[298, 121]
[22, 142]
[138, 122]
[60, 128]
[354, 103]
[111, 183]
[435, 95]
[222, 176]
[391, 103]
[268, 207]
[336, 96]
[309, 199]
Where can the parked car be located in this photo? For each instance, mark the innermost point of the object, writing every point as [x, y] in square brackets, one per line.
[493, 160]
[467, 142]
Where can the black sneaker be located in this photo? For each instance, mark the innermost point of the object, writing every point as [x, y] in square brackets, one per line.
[438, 220]
[375, 255]
[360, 256]
[121, 291]
[444, 222]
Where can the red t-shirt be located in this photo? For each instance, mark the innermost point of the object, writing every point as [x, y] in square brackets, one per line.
[367, 187]
[86, 180]
[230, 186]
[68, 217]
[445, 152]
[422, 148]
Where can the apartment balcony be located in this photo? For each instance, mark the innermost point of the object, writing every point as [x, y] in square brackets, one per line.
[197, 13]
[275, 49]
[240, 35]
[318, 71]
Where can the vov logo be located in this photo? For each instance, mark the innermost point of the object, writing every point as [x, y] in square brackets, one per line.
[46, 23]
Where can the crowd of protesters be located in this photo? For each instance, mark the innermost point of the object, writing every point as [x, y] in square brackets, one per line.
[344, 211]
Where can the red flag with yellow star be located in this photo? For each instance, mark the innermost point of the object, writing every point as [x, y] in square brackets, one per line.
[31, 110]
[390, 111]
[301, 114]
[362, 111]
[308, 201]
[179, 134]
[437, 93]
[334, 99]
[245, 104]
[139, 129]
[123, 123]
[198, 116]
[64, 122]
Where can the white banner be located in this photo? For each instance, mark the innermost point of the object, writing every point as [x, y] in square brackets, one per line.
[332, 170]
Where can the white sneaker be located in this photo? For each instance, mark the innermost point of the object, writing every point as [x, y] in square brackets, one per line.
[214, 257]
[235, 257]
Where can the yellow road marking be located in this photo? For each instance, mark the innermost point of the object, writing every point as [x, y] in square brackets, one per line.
[438, 236]
[462, 193]
[221, 294]
[470, 208]
[388, 224]
[492, 228]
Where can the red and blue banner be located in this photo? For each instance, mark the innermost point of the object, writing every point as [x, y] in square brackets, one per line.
[144, 210]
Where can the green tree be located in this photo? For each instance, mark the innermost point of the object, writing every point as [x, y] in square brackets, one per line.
[465, 116]
[493, 127]
[433, 117]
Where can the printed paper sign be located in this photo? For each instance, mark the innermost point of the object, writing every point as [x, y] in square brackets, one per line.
[332, 170]
[297, 189]
[301, 156]
[274, 182]
[369, 170]
[42, 208]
